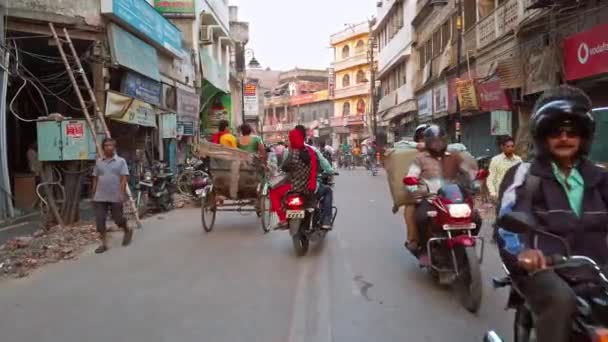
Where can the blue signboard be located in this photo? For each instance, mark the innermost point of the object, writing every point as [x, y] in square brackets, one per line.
[142, 88]
[142, 17]
[131, 52]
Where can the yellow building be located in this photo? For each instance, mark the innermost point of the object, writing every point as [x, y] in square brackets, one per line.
[351, 83]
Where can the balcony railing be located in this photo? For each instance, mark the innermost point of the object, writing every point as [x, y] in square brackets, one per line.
[352, 61]
[359, 89]
[502, 20]
[351, 31]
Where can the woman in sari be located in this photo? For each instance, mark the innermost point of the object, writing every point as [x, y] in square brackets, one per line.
[300, 166]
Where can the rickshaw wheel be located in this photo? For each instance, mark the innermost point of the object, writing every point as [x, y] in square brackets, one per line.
[208, 211]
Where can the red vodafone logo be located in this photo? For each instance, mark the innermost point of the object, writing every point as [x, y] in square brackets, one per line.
[583, 53]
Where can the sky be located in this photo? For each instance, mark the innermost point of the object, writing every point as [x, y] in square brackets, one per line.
[288, 33]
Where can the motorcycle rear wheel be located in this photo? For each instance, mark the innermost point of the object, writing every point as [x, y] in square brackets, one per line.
[300, 244]
[469, 286]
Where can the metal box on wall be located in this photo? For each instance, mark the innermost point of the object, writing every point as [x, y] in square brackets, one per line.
[65, 140]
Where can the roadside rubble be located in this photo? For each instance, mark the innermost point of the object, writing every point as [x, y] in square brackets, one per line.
[21, 255]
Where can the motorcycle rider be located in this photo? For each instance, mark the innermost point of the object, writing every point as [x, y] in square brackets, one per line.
[324, 192]
[569, 199]
[432, 166]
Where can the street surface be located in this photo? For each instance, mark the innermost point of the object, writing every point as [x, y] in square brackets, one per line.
[176, 283]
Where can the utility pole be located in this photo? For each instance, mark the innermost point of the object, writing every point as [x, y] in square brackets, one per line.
[6, 204]
[372, 83]
[459, 28]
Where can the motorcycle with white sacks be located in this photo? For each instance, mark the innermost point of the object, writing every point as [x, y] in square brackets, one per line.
[304, 213]
[449, 227]
[582, 273]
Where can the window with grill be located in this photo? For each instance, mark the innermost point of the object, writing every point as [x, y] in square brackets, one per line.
[360, 47]
[445, 33]
[345, 51]
[346, 109]
[361, 77]
[428, 49]
[345, 81]
[437, 43]
[421, 57]
[470, 13]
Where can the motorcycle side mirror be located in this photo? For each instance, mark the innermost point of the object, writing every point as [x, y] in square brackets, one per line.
[517, 222]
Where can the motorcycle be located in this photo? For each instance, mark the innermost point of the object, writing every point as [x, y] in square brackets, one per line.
[304, 215]
[582, 273]
[450, 229]
[155, 189]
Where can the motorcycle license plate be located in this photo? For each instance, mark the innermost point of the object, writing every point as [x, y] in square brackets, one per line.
[295, 214]
[469, 226]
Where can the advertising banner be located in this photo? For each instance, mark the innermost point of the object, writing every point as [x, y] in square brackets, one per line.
[440, 98]
[425, 105]
[467, 95]
[175, 7]
[586, 53]
[250, 98]
[187, 104]
[501, 123]
[141, 88]
[492, 97]
[129, 110]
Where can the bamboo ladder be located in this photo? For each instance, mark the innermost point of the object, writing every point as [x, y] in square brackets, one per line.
[85, 111]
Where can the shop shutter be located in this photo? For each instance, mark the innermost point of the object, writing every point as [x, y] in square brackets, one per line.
[476, 135]
[599, 152]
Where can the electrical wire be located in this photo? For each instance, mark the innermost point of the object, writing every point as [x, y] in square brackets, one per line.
[10, 106]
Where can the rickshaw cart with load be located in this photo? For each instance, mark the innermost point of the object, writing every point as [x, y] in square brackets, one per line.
[238, 184]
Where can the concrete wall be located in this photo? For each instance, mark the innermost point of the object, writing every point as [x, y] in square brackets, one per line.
[88, 10]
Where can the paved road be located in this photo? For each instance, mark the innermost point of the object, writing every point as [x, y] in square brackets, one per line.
[236, 284]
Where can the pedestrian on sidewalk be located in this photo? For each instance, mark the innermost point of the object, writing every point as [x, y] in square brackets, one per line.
[110, 192]
[500, 164]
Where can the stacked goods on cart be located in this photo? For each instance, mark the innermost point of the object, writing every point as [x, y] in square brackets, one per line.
[236, 174]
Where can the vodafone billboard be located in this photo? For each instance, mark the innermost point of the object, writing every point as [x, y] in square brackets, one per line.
[586, 53]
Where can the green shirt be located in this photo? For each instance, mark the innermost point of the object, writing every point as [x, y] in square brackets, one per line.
[253, 145]
[573, 185]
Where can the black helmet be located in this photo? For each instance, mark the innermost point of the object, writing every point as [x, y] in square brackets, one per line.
[564, 106]
[419, 132]
[435, 139]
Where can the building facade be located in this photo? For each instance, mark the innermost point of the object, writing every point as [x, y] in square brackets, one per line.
[393, 36]
[351, 77]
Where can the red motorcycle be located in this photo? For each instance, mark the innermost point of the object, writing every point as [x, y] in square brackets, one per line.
[449, 227]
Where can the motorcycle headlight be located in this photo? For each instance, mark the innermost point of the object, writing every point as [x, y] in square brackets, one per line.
[460, 210]
[148, 176]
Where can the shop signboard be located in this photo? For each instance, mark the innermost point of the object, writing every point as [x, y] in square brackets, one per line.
[122, 47]
[467, 95]
[188, 104]
[168, 126]
[145, 21]
[440, 98]
[425, 105]
[126, 109]
[586, 53]
[141, 88]
[492, 97]
[501, 122]
[175, 7]
[250, 98]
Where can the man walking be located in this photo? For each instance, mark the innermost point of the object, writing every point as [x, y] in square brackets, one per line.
[500, 164]
[110, 191]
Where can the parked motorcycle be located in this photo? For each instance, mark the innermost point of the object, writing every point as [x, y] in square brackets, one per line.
[155, 189]
[450, 229]
[304, 215]
[582, 273]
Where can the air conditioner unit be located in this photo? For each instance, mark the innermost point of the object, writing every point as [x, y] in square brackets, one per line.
[206, 35]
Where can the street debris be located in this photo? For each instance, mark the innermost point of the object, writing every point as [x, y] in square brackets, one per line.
[21, 255]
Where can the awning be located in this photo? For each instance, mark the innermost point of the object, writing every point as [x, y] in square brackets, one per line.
[125, 109]
[402, 108]
[132, 52]
[213, 72]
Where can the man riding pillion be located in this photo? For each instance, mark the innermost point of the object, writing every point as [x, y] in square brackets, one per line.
[432, 167]
[566, 195]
